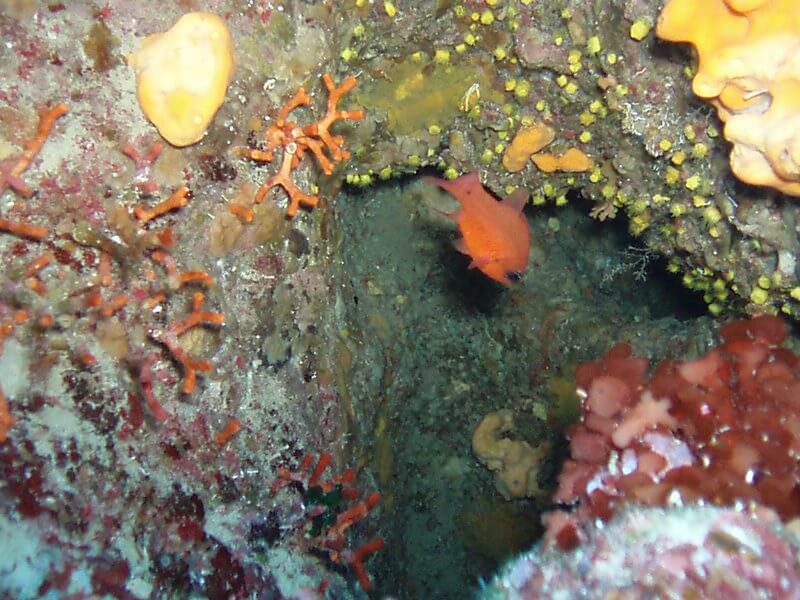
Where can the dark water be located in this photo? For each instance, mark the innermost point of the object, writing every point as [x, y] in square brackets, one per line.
[439, 346]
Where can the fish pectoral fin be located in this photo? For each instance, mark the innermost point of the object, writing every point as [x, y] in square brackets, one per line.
[517, 200]
[461, 245]
[479, 261]
[455, 216]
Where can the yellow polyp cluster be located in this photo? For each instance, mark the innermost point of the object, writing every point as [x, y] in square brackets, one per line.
[747, 69]
[639, 29]
[364, 179]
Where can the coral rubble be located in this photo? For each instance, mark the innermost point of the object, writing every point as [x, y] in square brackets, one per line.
[171, 345]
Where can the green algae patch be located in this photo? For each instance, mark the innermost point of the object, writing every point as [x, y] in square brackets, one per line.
[419, 93]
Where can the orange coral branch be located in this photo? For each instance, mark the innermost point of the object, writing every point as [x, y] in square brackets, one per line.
[196, 317]
[283, 178]
[169, 264]
[354, 514]
[22, 229]
[36, 285]
[245, 213]
[170, 339]
[323, 462]
[46, 321]
[104, 269]
[178, 199]
[154, 300]
[356, 560]
[146, 381]
[143, 164]
[321, 129]
[7, 420]
[164, 238]
[300, 98]
[38, 264]
[86, 358]
[32, 273]
[115, 304]
[295, 140]
[196, 276]
[332, 539]
[143, 161]
[11, 170]
[255, 154]
[231, 428]
[93, 298]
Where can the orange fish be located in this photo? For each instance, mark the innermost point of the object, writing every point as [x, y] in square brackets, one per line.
[495, 234]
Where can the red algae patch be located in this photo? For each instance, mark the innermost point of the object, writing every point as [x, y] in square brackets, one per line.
[722, 429]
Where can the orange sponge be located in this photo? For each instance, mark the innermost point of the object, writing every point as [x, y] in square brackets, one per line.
[747, 68]
[527, 141]
[573, 160]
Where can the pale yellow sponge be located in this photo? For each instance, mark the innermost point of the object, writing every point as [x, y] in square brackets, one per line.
[182, 75]
[515, 463]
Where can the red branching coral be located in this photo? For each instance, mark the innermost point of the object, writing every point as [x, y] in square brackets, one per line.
[296, 140]
[169, 337]
[106, 292]
[330, 512]
[7, 420]
[721, 429]
[11, 170]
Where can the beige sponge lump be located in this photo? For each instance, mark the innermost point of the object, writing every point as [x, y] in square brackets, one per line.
[515, 463]
[182, 75]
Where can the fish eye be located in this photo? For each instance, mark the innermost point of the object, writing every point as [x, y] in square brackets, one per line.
[514, 276]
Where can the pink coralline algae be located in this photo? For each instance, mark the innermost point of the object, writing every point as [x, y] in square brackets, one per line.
[647, 552]
[723, 429]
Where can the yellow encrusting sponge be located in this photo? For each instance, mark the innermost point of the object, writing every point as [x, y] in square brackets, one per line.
[182, 75]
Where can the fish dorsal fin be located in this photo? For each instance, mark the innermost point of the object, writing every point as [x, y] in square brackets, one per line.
[463, 189]
[517, 200]
[455, 215]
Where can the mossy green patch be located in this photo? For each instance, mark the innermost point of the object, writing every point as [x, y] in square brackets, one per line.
[417, 94]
